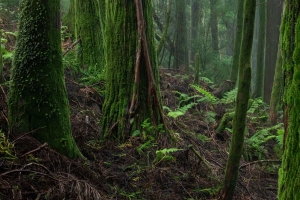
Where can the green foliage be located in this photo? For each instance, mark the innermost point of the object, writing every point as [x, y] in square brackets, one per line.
[229, 97]
[179, 111]
[255, 145]
[6, 147]
[165, 155]
[203, 138]
[208, 97]
[209, 117]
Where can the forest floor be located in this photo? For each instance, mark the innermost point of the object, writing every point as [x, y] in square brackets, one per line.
[189, 166]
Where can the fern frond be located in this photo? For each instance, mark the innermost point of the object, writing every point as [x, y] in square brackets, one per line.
[207, 94]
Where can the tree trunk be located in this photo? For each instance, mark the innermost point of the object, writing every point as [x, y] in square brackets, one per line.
[277, 89]
[38, 100]
[181, 53]
[289, 184]
[258, 92]
[274, 10]
[195, 12]
[1, 63]
[239, 120]
[237, 41]
[214, 27]
[69, 18]
[132, 93]
[88, 29]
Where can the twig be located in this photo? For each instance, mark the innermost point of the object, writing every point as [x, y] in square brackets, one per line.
[29, 152]
[71, 46]
[258, 161]
[27, 134]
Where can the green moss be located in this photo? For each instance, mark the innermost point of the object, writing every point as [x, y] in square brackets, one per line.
[88, 29]
[38, 100]
[121, 38]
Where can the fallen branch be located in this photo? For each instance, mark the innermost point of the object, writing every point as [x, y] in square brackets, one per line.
[71, 47]
[258, 161]
[199, 156]
[34, 150]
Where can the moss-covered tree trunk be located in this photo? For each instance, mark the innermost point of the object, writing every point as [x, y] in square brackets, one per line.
[38, 99]
[132, 93]
[258, 91]
[277, 89]
[289, 179]
[1, 63]
[88, 30]
[181, 52]
[239, 120]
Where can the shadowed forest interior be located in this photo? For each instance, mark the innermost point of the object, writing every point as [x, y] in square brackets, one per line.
[149, 99]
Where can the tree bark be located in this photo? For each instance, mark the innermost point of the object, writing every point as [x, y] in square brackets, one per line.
[289, 184]
[88, 29]
[38, 99]
[239, 120]
[258, 92]
[132, 90]
[1, 63]
[274, 10]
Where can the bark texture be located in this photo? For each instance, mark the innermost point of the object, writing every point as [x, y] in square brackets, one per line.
[289, 179]
[38, 99]
[88, 29]
[132, 76]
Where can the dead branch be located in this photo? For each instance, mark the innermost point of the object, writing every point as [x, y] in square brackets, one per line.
[258, 161]
[71, 47]
[34, 150]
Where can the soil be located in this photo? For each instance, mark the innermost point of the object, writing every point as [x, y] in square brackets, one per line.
[194, 168]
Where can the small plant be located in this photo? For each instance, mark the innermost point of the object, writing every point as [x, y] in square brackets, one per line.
[6, 147]
[179, 111]
[254, 146]
[165, 154]
[208, 97]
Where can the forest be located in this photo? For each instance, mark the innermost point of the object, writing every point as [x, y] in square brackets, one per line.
[149, 99]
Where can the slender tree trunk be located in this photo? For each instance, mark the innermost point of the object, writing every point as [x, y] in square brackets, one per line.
[289, 184]
[38, 100]
[277, 89]
[69, 18]
[214, 27]
[1, 63]
[181, 52]
[88, 29]
[258, 92]
[195, 12]
[237, 41]
[132, 93]
[274, 10]
[239, 120]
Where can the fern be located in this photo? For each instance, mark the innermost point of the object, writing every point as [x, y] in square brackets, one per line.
[207, 95]
[229, 97]
[179, 111]
[254, 146]
[165, 154]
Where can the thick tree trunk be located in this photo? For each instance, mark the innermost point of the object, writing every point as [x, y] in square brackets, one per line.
[289, 184]
[258, 91]
[88, 29]
[38, 99]
[274, 10]
[239, 120]
[181, 52]
[132, 93]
